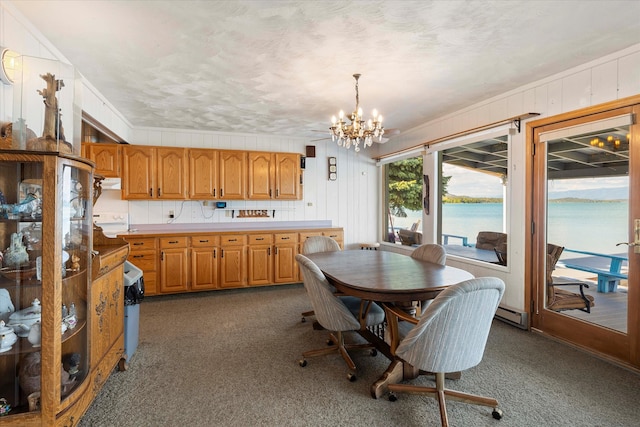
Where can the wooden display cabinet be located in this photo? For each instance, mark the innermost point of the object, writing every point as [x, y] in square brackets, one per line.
[46, 228]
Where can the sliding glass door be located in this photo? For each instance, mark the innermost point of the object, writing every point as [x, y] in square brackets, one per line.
[585, 286]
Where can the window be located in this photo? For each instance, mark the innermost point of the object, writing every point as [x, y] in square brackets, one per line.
[403, 201]
[473, 177]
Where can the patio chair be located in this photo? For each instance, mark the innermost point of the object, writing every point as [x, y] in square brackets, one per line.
[491, 240]
[561, 299]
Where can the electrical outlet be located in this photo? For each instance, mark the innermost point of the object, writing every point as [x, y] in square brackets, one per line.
[171, 215]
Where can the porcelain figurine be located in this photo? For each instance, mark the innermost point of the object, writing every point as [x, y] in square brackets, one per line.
[7, 337]
[21, 321]
[35, 334]
[16, 254]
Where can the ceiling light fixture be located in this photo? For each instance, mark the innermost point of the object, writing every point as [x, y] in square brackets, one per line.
[357, 131]
[7, 65]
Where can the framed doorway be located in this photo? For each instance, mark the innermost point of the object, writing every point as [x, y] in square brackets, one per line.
[584, 180]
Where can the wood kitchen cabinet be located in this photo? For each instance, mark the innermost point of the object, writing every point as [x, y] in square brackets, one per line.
[232, 175]
[144, 255]
[285, 251]
[273, 176]
[174, 264]
[203, 174]
[154, 173]
[204, 262]
[107, 158]
[233, 260]
[260, 269]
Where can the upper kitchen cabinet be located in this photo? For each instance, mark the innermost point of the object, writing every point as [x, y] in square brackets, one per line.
[287, 176]
[107, 158]
[203, 174]
[232, 175]
[273, 176]
[154, 173]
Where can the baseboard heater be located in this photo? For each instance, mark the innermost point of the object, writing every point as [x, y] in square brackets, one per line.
[512, 317]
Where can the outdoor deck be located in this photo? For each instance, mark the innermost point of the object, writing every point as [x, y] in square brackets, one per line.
[610, 309]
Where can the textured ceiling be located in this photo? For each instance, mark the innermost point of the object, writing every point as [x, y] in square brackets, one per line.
[285, 67]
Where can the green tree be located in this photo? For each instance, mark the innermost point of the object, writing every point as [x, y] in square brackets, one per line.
[405, 186]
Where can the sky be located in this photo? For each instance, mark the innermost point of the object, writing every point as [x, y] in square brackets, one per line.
[465, 182]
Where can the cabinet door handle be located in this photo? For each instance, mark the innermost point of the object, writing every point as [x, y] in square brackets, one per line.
[233, 240]
[270, 193]
[214, 253]
[159, 192]
[162, 256]
[284, 238]
[276, 250]
[171, 242]
[269, 251]
[151, 192]
[221, 253]
[138, 244]
[277, 193]
[204, 241]
[214, 192]
[221, 192]
[259, 238]
[138, 256]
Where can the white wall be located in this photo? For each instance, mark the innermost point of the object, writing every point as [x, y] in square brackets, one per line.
[610, 78]
[18, 34]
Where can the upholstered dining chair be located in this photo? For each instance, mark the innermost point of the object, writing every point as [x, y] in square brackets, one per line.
[337, 314]
[450, 336]
[430, 252]
[562, 299]
[313, 245]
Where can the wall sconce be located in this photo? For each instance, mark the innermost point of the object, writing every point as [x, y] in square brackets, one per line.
[333, 169]
[8, 65]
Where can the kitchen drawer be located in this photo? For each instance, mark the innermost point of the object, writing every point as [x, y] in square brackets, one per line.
[173, 242]
[204, 241]
[306, 235]
[260, 239]
[142, 244]
[145, 260]
[233, 239]
[286, 238]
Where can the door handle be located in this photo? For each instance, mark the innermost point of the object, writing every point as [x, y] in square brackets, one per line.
[636, 232]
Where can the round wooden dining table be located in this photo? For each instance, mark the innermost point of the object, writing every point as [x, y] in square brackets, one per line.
[384, 276]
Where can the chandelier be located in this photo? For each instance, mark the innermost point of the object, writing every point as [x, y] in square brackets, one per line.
[357, 131]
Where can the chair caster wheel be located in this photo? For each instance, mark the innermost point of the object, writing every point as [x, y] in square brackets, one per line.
[497, 414]
[302, 362]
[329, 342]
[392, 397]
[303, 320]
[351, 377]
[373, 352]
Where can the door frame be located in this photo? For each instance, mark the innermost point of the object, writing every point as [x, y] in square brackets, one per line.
[616, 346]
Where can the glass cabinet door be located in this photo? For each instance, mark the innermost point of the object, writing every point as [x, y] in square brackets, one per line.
[45, 245]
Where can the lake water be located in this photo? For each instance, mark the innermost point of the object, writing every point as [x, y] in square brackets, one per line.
[594, 227]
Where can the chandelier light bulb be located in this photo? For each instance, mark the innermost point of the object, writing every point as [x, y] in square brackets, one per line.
[333, 120]
[341, 115]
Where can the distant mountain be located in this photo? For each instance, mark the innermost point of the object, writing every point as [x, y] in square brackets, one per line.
[618, 193]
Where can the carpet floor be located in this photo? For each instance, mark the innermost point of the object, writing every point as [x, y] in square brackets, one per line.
[230, 358]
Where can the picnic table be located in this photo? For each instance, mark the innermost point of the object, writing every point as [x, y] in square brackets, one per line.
[607, 267]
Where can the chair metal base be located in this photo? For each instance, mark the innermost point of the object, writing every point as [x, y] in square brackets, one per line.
[339, 346]
[439, 392]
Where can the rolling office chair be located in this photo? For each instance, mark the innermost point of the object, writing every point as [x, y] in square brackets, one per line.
[313, 245]
[430, 252]
[337, 314]
[450, 336]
